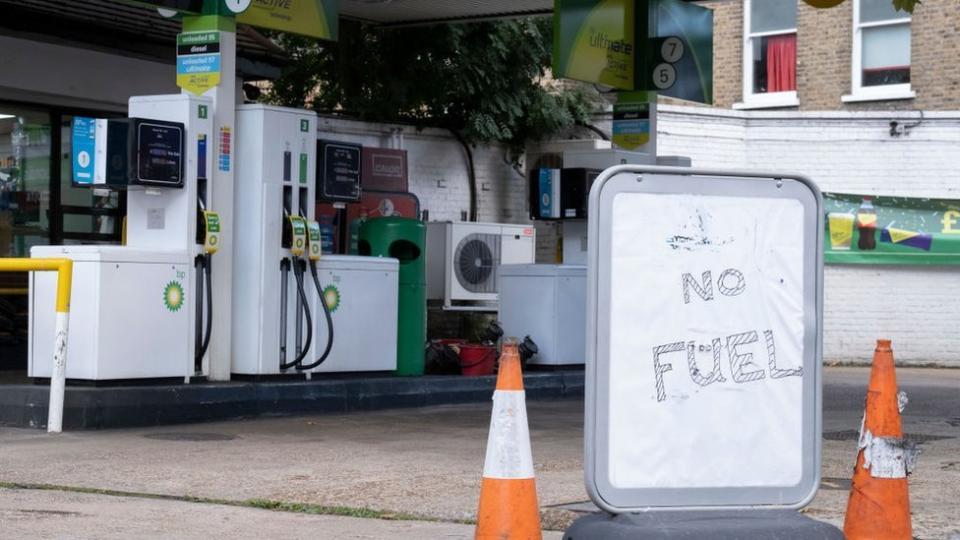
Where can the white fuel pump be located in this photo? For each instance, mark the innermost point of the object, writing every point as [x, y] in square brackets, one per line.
[130, 315]
[276, 178]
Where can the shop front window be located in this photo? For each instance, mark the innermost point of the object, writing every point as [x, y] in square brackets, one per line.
[25, 143]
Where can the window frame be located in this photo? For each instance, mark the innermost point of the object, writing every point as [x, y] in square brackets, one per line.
[883, 92]
[761, 100]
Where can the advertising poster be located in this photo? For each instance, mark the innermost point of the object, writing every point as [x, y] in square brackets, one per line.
[312, 18]
[864, 229]
[594, 41]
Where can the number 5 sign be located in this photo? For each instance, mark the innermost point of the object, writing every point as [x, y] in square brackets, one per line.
[704, 339]
[665, 73]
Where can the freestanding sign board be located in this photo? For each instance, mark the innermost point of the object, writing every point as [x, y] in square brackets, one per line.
[704, 339]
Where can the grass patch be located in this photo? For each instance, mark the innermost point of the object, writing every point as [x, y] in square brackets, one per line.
[262, 504]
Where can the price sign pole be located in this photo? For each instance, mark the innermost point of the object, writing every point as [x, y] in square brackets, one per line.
[206, 65]
[703, 383]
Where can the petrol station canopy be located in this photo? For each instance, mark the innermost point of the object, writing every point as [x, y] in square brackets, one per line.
[410, 12]
[140, 31]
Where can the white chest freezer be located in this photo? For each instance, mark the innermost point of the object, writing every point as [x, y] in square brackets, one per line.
[548, 302]
[131, 314]
[362, 293]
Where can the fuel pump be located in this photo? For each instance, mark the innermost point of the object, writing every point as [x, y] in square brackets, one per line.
[145, 305]
[273, 306]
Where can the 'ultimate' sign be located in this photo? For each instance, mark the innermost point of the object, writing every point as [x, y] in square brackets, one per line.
[704, 341]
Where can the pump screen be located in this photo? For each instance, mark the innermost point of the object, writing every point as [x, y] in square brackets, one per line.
[338, 171]
[159, 154]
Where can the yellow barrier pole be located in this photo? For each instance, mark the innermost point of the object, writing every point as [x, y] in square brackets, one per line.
[64, 269]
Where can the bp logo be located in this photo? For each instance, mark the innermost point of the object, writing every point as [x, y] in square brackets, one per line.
[331, 295]
[173, 296]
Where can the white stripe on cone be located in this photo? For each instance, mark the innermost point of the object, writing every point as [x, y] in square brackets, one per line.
[508, 445]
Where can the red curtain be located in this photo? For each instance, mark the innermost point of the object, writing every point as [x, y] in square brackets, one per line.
[782, 63]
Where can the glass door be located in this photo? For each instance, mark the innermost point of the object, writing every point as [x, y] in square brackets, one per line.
[25, 143]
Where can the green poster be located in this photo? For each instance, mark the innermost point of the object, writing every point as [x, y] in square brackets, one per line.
[891, 230]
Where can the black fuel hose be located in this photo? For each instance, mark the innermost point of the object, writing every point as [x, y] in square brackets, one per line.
[198, 318]
[299, 269]
[298, 276]
[326, 312]
[206, 263]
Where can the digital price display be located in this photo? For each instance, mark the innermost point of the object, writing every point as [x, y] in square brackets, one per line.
[159, 153]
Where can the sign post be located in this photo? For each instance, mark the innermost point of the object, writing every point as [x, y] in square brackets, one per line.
[206, 49]
[703, 342]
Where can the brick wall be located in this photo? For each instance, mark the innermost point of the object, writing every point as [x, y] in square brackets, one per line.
[727, 51]
[915, 307]
[824, 56]
[851, 152]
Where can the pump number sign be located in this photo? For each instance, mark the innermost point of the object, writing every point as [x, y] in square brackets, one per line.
[704, 339]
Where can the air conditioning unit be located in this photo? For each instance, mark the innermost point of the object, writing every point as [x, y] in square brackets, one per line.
[462, 260]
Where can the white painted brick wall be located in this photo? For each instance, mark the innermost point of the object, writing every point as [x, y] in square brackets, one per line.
[435, 159]
[917, 307]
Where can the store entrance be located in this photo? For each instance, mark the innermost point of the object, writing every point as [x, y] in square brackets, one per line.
[40, 206]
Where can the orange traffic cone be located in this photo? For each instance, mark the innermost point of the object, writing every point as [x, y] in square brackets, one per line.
[508, 495]
[879, 505]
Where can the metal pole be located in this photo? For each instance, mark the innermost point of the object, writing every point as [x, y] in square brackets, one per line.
[58, 379]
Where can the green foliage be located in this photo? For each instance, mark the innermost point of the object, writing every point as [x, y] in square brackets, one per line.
[483, 80]
[905, 5]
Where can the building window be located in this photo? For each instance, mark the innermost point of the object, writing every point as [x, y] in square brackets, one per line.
[881, 52]
[769, 54]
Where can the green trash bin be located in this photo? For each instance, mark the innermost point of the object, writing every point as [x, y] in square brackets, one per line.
[403, 239]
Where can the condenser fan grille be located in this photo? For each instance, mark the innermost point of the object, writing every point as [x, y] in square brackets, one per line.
[475, 262]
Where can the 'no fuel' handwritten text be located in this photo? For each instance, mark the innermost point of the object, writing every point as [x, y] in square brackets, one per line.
[742, 367]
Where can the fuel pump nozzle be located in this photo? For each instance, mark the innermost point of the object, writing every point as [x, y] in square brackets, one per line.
[314, 250]
[296, 242]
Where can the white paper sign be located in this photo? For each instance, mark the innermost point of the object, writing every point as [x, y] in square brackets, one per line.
[706, 342]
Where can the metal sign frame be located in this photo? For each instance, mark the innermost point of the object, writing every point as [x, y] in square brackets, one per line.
[670, 180]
